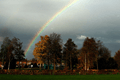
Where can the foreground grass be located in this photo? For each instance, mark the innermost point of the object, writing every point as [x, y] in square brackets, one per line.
[59, 77]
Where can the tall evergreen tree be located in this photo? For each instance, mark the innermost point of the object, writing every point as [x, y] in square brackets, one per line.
[69, 52]
[55, 48]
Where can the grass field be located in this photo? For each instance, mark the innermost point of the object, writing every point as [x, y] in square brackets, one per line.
[59, 77]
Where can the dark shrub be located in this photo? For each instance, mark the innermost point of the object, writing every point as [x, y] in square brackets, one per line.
[35, 65]
[112, 64]
[25, 66]
[102, 64]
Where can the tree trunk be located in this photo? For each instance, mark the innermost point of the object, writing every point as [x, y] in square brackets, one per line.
[54, 63]
[66, 61]
[85, 61]
[70, 62]
[48, 64]
[40, 66]
[19, 64]
[3, 62]
[88, 63]
[9, 65]
[97, 63]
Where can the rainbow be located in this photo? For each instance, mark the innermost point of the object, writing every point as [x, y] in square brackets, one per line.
[46, 24]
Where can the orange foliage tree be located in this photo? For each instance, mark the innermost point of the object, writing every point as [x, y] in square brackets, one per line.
[41, 49]
[88, 53]
[117, 58]
[48, 50]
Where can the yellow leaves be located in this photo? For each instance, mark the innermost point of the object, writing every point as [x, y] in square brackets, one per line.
[41, 37]
[41, 47]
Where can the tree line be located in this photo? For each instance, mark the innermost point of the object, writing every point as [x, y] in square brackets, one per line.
[50, 50]
[92, 55]
[10, 51]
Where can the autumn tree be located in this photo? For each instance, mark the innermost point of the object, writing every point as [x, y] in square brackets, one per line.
[88, 53]
[103, 54]
[10, 50]
[55, 48]
[10, 56]
[4, 49]
[82, 58]
[18, 51]
[103, 51]
[94, 50]
[117, 58]
[69, 52]
[41, 51]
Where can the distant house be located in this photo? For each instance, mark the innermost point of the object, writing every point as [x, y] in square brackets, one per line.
[30, 62]
[22, 63]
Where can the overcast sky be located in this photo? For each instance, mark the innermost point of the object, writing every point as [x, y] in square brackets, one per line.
[86, 18]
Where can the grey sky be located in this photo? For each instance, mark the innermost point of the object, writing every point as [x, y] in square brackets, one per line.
[86, 18]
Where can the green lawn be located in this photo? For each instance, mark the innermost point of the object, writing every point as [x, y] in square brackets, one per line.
[59, 77]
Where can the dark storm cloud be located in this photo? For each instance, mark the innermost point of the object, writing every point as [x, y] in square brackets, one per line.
[87, 18]
[5, 32]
